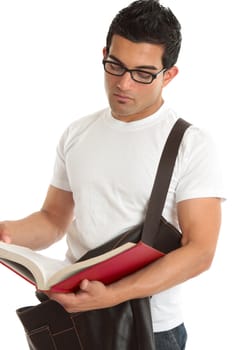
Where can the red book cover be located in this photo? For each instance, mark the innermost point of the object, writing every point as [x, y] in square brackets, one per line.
[113, 268]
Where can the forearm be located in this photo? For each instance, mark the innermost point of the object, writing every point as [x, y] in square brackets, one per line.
[200, 222]
[171, 270]
[40, 229]
[36, 231]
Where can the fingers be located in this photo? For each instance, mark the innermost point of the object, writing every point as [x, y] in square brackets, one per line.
[91, 295]
[84, 285]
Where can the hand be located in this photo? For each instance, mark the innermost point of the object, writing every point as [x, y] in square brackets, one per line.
[4, 233]
[92, 295]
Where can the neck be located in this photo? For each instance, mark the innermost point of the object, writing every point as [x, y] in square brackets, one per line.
[127, 118]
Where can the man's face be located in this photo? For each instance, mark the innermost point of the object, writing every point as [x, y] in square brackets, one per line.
[128, 99]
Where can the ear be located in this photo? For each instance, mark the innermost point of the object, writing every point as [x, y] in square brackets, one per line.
[169, 75]
[105, 52]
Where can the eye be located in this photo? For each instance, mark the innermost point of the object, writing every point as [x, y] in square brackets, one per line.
[143, 75]
[115, 67]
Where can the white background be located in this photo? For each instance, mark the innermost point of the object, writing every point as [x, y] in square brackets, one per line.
[50, 71]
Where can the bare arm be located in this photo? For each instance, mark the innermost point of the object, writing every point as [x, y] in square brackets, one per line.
[42, 228]
[200, 223]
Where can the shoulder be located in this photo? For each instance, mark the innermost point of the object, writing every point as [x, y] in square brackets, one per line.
[80, 127]
[81, 124]
[197, 150]
[198, 169]
[197, 140]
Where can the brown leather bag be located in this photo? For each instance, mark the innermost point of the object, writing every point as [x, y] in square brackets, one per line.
[127, 326]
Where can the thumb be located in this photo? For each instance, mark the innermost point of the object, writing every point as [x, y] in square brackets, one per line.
[85, 285]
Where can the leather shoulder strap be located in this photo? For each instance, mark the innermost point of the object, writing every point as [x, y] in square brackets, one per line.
[162, 181]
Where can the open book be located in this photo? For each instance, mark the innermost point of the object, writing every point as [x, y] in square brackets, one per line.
[61, 276]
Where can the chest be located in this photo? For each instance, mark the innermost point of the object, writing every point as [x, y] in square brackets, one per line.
[117, 162]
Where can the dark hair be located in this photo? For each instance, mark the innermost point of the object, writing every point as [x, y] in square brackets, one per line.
[148, 21]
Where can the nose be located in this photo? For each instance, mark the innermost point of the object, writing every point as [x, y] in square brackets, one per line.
[125, 81]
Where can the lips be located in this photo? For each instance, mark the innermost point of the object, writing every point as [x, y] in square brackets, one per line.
[123, 98]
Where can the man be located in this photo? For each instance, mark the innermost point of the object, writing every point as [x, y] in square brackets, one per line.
[105, 168]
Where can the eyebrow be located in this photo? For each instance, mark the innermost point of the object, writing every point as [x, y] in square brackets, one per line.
[137, 67]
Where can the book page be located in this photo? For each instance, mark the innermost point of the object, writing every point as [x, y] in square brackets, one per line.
[41, 266]
[19, 269]
[48, 271]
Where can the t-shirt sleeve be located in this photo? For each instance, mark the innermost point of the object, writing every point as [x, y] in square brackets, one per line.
[60, 178]
[198, 167]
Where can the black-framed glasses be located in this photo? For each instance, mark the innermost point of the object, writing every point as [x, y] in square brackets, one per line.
[138, 75]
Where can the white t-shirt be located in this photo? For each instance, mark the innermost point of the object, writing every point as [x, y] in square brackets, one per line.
[110, 166]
